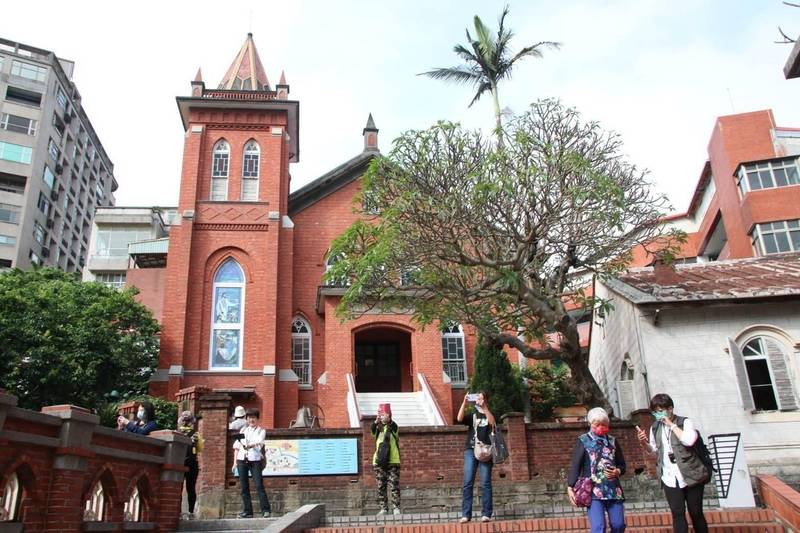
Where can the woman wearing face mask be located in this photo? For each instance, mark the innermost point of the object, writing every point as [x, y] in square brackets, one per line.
[598, 456]
[389, 473]
[480, 426]
[682, 473]
[145, 420]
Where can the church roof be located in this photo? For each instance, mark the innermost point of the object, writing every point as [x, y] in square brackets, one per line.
[773, 276]
[329, 182]
[246, 73]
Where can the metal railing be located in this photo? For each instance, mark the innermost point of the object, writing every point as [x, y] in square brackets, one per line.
[723, 448]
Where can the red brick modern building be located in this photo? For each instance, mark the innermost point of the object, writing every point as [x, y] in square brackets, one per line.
[746, 202]
[245, 307]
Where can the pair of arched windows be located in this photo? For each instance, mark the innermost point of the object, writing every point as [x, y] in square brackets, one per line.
[220, 166]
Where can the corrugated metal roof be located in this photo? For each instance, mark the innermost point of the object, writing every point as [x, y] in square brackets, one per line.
[155, 246]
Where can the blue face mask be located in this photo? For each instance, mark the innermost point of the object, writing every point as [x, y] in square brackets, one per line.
[660, 415]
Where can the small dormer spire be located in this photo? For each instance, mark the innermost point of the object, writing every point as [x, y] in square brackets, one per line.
[282, 88]
[370, 133]
[197, 85]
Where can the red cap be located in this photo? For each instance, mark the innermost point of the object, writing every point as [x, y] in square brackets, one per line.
[385, 408]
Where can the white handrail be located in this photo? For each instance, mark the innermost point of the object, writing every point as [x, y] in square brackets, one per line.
[352, 402]
[430, 401]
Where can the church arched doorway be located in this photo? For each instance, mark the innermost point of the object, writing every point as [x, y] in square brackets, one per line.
[383, 360]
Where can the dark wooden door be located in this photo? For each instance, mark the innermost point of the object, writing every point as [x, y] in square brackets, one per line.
[378, 367]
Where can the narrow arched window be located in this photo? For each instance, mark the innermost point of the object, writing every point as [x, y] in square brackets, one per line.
[301, 351]
[133, 507]
[96, 504]
[454, 358]
[219, 171]
[11, 499]
[625, 391]
[250, 164]
[227, 317]
[334, 282]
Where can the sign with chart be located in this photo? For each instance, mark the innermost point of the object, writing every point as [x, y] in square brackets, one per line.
[310, 457]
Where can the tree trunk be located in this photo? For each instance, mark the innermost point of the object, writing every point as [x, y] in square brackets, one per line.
[584, 385]
[497, 116]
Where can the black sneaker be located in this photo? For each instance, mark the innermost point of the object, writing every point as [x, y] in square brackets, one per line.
[245, 515]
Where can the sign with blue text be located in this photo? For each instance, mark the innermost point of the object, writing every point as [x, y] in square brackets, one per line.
[310, 457]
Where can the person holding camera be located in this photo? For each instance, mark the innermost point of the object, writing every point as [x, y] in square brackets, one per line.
[682, 473]
[598, 456]
[386, 460]
[145, 422]
[249, 446]
[480, 426]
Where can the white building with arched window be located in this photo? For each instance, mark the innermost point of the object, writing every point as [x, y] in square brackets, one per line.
[722, 339]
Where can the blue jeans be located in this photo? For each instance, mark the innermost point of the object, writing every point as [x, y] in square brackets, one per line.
[471, 466]
[616, 515]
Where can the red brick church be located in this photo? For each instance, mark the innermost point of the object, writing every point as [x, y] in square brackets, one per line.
[245, 308]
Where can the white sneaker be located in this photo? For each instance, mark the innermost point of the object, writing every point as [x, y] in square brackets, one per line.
[396, 511]
[382, 512]
[486, 519]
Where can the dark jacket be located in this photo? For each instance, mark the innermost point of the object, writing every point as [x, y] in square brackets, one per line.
[134, 427]
[691, 467]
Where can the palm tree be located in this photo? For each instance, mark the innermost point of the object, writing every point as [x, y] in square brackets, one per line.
[488, 60]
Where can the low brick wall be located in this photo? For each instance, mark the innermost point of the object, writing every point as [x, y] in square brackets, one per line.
[60, 455]
[431, 470]
[781, 498]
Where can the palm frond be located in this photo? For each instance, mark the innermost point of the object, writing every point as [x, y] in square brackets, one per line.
[461, 74]
[535, 50]
[484, 39]
[465, 54]
[482, 88]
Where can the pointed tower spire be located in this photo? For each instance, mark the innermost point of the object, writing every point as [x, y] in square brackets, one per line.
[370, 136]
[282, 87]
[197, 85]
[246, 73]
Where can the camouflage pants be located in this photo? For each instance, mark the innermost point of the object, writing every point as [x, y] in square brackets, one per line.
[391, 476]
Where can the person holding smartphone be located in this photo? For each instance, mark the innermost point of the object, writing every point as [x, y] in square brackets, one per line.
[598, 456]
[480, 425]
[683, 475]
[249, 455]
[388, 471]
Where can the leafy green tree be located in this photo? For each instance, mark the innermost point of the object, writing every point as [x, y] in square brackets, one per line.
[494, 374]
[547, 387]
[488, 60]
[64, 341]
[505, 239]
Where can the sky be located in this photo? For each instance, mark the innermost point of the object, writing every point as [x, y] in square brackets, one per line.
[657, 73]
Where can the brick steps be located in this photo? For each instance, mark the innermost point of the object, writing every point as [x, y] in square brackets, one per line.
[240, 525]
[720, 521]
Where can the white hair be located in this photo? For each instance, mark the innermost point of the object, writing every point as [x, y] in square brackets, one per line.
[598, 414]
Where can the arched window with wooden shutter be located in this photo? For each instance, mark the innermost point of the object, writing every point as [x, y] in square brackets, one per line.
[625, 392]
[763, 374]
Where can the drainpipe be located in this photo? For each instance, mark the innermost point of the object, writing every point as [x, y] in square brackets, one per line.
[642, 358]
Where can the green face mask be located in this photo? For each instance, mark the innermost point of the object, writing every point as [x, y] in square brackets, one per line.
[659, 415]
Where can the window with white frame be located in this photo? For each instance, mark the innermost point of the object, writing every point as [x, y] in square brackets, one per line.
[454, 357]
[227, 319]
[11, 499]
[16, 153]
[9, 213]
[301, 351]
[219, 170]
[768, 174]
[132, 511]
[18, 124]
[8, 240]
[61, 98]
[38, 233]
[28, 71]
[115, 280]
[48, 177]
[96, 505]
[768, 376]
[777, 237]
[52, 149]
[329, 262]
[250, 165]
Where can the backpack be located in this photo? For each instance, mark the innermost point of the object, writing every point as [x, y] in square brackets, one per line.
[384, 449]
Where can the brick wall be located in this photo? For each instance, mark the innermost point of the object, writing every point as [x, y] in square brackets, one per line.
[150, 282]
[61, 454]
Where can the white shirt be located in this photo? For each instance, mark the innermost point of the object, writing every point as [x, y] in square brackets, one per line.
[670, 473]
[253, 436]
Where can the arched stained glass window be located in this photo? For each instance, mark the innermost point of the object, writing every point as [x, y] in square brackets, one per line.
[227, 318]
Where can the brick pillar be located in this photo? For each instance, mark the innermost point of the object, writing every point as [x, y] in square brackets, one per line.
[170, 489]
[217, 458]
[189, 398]
[70, 465]
[517, 443]
[7, 401]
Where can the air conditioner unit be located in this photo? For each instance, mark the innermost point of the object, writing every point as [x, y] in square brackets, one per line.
[54, 194]
[59, 168]
[67, 118]
[49, 223]
[45, 252]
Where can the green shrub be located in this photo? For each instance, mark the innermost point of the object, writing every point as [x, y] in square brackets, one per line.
[548, 387]
[494, 374]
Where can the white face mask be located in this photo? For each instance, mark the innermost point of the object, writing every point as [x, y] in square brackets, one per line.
[140, 414]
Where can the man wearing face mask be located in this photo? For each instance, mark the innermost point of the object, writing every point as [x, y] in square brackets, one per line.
[683, 474]
[145, 420]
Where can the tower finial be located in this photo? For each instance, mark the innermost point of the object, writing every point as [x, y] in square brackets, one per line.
[370, 133]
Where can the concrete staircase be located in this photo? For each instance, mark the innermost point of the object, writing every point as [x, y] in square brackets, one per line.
[408, 408]
[241, 525]
[720, 521]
